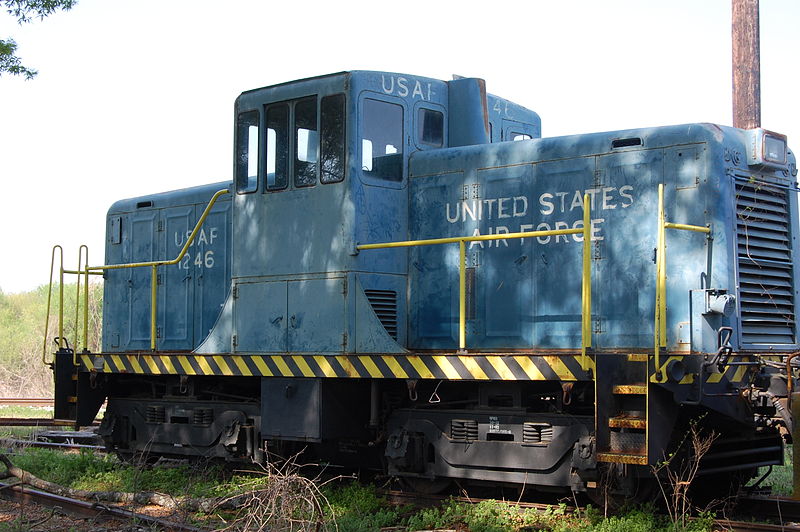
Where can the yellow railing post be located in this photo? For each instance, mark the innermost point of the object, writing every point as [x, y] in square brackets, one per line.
[86, 303]
[61, 305]
[49, 297]
[462, 296]
[155, 264]
[660, 325]
[586, 283]
[586, 286]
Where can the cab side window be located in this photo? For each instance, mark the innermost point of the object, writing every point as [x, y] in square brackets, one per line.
[277, 146]
[247, 152]
[332, 138]
[382, 140]
[430, 127]
[306, 151]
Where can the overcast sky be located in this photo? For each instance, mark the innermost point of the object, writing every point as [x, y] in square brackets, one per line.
[136, 97]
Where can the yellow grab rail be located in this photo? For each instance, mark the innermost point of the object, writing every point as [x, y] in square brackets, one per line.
[155, 264]
[586, 329]
[49, 297]
[660, 325]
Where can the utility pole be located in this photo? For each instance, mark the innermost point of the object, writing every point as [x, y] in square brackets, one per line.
[746, 64]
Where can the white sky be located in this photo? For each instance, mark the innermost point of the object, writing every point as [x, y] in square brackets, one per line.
[136, 97]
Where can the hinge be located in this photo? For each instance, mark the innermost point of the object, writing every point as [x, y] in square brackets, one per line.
[235, 340]
[235, 291]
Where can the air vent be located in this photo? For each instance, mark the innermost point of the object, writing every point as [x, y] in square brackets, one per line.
[384, 303]
[155, 414]
[464, 430]
[766, 288]
[202, 416]
[537, 432]
[626, 143]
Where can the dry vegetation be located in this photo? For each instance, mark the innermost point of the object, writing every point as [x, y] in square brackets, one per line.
[22, 321]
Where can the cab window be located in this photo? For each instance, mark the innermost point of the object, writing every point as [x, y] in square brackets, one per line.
[306, 150]
[382, 140]
[332, 138]
[247, 152]
[277, 146]
[430, 127]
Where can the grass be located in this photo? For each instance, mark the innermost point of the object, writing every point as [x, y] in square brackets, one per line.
[22, 412]
[781, 479]
[353, 507]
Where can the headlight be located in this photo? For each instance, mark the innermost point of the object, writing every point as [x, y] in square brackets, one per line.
[767, 148]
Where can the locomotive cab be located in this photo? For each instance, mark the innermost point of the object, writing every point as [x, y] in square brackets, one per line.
[321, 165]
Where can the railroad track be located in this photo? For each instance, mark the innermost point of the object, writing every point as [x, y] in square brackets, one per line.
[88, 510]
[26, 401]
[38, 422]
[13, 443]
[781, 509]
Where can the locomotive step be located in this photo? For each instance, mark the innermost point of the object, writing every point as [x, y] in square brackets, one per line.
[622, 458]
[630, 389]
[627, 422]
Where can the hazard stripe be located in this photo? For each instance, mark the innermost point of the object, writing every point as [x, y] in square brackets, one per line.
[412, 366]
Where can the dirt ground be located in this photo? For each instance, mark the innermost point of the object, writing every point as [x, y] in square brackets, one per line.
[31, 517]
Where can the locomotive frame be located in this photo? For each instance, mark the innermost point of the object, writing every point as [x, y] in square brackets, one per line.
[350, 345]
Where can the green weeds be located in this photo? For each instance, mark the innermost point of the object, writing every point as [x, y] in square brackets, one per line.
[349, 507]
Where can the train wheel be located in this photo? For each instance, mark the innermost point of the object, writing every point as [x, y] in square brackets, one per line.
[618, 487]
[426, 486]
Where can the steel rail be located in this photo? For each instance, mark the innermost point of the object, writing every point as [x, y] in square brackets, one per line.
[22, 494]
[38, 422]
[27, 401]
[9, 442]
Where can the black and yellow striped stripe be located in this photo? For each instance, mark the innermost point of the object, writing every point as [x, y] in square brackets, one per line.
[443, 366]
[449, 367]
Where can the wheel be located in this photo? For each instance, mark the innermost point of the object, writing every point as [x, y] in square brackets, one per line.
[426, 486]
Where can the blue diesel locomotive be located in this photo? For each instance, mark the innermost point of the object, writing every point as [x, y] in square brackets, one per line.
[403, 275]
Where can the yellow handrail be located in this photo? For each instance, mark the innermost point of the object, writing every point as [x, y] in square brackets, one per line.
[586, 330]
[660, 325]
[49, 294]
[155, 264]
[81, 250]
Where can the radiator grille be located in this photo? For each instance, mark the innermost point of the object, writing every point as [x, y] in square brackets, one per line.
[384, 303]
[464, 429]
[766, 290]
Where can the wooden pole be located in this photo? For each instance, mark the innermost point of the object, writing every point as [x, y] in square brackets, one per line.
[746, 64]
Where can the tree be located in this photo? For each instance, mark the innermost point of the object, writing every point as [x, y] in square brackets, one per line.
[25, 11]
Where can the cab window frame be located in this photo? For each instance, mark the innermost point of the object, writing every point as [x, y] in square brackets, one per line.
[418, 127]
[247, 183]
[406, 139]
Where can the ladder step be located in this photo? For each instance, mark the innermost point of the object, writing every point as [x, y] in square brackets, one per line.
[622, 458]
[630, 389]
[627, 422]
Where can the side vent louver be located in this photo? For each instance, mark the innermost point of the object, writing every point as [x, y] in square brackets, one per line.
[766, 289]
[463, 430]
[384, 303]
[536, 432]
